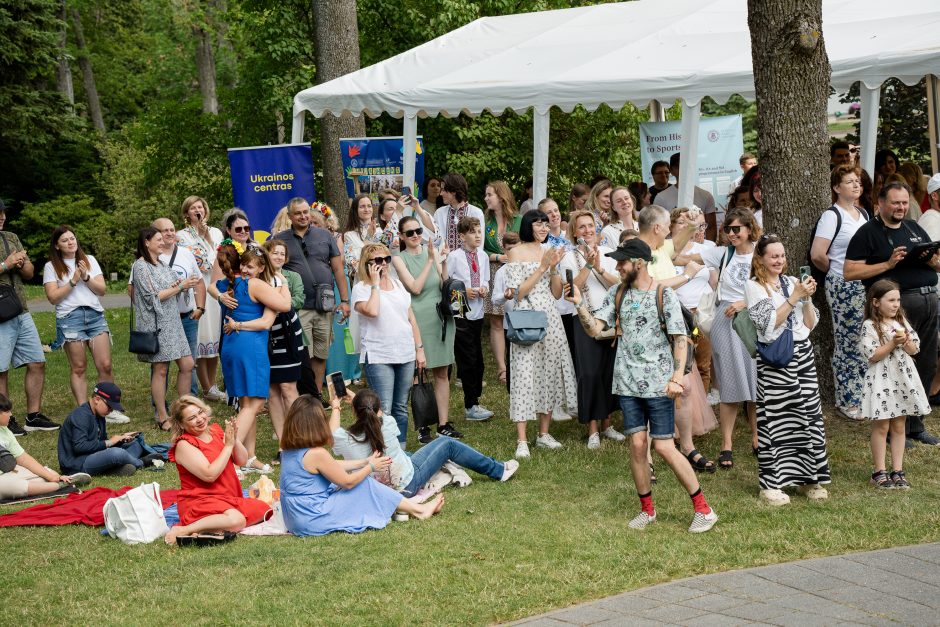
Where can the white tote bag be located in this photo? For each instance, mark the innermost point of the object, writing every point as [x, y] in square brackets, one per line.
[708, 303]
[136, 517]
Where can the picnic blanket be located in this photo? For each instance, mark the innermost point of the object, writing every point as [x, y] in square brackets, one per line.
[85, 508]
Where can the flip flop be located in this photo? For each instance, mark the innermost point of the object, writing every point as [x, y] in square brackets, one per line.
[725, 460]
[206, 539]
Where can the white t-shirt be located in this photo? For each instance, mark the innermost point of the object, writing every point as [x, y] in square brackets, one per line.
[387, 338]
[762, 308]
[691, 293]
[459, 268]
[735, 274]
[596, 291]
[827, 228]
[349, 448]
[668, 199]
[185, 266]
[81, 295]
[610, 234]
[930, 222]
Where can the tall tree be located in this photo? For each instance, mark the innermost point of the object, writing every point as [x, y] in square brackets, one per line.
[791, 80]
[205, 65]
[336, 37]
[64, 70]
[88, 75]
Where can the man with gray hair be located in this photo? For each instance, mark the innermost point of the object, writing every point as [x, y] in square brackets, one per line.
[654, 223]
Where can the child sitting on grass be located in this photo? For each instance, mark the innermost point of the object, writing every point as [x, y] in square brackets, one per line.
[20, 474]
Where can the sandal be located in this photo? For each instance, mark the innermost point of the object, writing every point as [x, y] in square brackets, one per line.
[249, 466]
[699, 462]
[206, 539]
[725, 460]
[162, 426]
[652, 474]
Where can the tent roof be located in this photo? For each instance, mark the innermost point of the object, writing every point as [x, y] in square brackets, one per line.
[622, 52]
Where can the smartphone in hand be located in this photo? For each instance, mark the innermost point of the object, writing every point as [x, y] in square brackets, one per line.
[338, 383]
[804, 273]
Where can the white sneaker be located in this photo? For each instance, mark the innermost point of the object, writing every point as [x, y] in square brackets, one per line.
[775, 497]
[713, 398]
[484, 411]
[612, 434]
[594, 441]
[477, 413]
[813, 492]
[642, 521]
[215, 394]
[509, 469]
[546, 440]
[400, 517]
[116, 418]
[703, 522]
[522, 450]
[560, 415]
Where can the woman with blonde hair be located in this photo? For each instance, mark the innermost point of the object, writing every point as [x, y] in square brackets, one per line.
[598, 202]
[281, 222]
[915, 180]
[623, 204]
[501, 217]
[202, 241]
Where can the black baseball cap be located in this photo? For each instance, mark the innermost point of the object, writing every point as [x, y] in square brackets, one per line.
[110, 394]
[632, 249]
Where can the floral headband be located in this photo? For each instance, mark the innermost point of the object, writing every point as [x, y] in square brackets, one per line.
[323, 208]
[228, 241]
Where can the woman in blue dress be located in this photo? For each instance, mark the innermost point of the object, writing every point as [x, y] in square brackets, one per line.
[319, 494]
[245, 364]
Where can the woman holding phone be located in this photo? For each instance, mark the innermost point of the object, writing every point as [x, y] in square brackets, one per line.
[420, 270]
[385, 319]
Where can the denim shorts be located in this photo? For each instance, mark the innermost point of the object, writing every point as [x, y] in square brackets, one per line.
[19, 343]
[658, 412]
[82, 324]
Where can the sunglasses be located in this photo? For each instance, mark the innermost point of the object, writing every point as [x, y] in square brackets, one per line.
[381, 261]
[767, 236]
[413, 232]
[732, 229]
[241, 229]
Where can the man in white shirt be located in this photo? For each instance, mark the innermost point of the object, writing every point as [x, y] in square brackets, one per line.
[930, 220]
[455, 194]
[703, 199]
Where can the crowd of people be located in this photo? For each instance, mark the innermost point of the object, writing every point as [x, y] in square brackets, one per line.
[627, 304]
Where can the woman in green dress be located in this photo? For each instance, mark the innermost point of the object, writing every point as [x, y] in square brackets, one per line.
[501, 216]
[421, 271]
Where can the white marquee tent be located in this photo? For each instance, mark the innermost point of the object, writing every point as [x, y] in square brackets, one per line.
[640, 52]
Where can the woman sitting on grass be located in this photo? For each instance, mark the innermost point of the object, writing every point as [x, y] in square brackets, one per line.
[320, 495]
[374, 432]
[210, 497]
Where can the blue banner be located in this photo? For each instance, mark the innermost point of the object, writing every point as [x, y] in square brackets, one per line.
[264, 178]
[720, 144]
[372, 164]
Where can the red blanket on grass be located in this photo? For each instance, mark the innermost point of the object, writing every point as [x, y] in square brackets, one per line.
[84, 509]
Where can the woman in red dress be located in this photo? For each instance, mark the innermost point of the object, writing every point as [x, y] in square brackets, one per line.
[210, 498]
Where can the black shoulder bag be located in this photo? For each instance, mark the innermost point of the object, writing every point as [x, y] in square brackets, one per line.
[10, 305]
[144, 342]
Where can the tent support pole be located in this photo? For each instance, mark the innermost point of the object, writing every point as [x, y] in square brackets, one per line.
[688, 166]
[933, 120]
[409, 155]
[657, 112]
[297, 129]
[871, 104]
[540, 136]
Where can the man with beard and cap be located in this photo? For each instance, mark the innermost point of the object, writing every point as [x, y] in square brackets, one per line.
[881, 249]
[647, 373]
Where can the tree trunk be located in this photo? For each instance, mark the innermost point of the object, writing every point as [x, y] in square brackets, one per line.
[791, 79]
[205, 64]
[88, 76]
[336, 36]
[279, 123]
[63, 71]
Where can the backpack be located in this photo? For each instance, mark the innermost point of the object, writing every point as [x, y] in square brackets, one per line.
[453, 303]
[820, 275]
[690, 331]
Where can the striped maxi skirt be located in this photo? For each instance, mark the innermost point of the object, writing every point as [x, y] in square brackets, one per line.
[791, 436]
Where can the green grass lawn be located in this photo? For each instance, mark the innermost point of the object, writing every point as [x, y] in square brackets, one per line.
[555, 535]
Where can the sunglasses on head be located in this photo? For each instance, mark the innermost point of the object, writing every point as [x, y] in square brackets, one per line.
[381, 261]
[767, 236]
[733, 229]
[241, 229]
[413, 232]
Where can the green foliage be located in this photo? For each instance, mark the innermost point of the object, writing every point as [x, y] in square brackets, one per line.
[37, 220]
[902, 121]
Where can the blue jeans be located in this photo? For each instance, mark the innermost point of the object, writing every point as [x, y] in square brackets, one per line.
[658, 412]
[101, 462]
[392, 383]
[428, 459]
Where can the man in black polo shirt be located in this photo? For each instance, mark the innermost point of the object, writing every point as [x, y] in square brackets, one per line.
[879, 250]
[312, 253]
